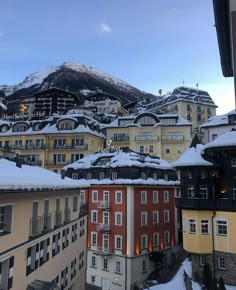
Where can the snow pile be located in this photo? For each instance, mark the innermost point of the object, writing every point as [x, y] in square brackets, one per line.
[177, 283]
[33, 178]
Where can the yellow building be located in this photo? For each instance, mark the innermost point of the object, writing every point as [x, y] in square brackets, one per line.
[208, 203]
[166, 136]
[54, 142]
[42, 231]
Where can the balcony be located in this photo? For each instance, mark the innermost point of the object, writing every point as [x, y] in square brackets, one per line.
[173, 138]
[34, 147]
[102, 251]
[121, 139]
[35, 226]
[104, 204]
[80, 147]
[61, 147]
[104, 228]
[58, 218]
[223, 204]
[57, 163]
[83, 209]
[47, 222]
[67, 213]
[145, 138]
[34, 163]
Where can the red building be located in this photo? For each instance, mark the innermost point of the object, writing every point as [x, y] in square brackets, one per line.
[131, 214]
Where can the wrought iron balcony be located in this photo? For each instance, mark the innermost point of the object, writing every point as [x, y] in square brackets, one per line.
[222, 204]
[58, 218]
[104, 204]
[105, 228]
[145, 138]
[35, 226]
[172, 138]
[34, 163]
[80, 147]
[102, 251]
[47, 222]
[67, 213]
[120, 139]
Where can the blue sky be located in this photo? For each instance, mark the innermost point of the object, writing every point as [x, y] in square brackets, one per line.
[151, 44]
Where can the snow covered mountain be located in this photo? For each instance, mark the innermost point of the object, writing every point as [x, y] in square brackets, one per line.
[76, 78]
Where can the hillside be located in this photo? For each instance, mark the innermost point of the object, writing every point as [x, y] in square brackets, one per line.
[76, 78]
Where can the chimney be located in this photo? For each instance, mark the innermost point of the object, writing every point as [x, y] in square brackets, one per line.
[63, 174]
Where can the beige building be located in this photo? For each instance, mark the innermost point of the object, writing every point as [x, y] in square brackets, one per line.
[189, 103]
[166, 136]
[54, 142]
[42, 231]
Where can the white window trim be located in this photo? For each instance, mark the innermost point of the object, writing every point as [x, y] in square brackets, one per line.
[157, 195]
[155, 212]
[92, 211]
[94, 233]
[166, 200]
[116, 247]
[189, 230]
[116, 214]
[120, 202]
[94, 200]
[145, 201]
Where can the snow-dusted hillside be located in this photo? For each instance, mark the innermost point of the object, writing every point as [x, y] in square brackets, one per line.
[36, 79]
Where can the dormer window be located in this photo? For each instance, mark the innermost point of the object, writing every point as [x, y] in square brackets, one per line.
[143, 175]
[66, 125]
[114, 175]
[20, 127]
[101, 175]
[4, 128]
[37, 127]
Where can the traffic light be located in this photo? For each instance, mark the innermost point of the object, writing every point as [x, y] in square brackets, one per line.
[23, 108]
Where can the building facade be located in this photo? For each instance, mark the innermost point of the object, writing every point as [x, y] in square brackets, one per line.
[166, 136]
[54, 142]
[42, 230]
[189, 103]
[208, 206]
[131, 214]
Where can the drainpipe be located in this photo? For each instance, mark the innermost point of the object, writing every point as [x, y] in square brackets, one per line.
[213, 243]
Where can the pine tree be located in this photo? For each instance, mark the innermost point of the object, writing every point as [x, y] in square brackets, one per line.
[221, 284]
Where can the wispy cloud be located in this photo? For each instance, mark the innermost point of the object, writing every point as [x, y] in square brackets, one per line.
[105, 28]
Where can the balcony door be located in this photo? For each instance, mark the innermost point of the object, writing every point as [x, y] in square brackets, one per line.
[106, 243]
[106, 219]
[106, 197]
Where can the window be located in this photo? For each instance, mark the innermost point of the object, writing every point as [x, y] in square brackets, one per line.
[156, 240]
[141, 149]
[203, 192]
[190, 175]
[93, 238]
[6, 273]
[143, 218]
[221, 228]
[74, 232]
[101, 175]
[118, 218]
[114, 175]
[192, 226]
[221, 263]
[56, 244]
[203, 174]
[167, 149]
[75, 157]
[59, 159]
[75, 202]
[143, 197]
[82, 197]
[144, 266]
[93, 279]
[93, 262]
[94, 196]
[64, 279]
[65, 238]
[81, 228]
[118, 267]
[32, 259]
[94, 216]
[155, 196]
[205, 227]
[166, 238]
[5, 218]
[213, 137]
[202, 260]
[75, 175]
[144, 242]
[118, 197]
[154, 176]
[81, 260]
[184, 225]
[150, 149]
[234, 192]
[166, 196]
[190, 192]
[73, 269]
[166, 216]
[105, 243]
[89, 175]
[155, 217]
[118, 242]
[143, 175]
[44, 251]
[233, 162]
[105, 264]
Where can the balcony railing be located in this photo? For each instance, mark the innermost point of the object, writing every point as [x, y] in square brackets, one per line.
[47, 222]
[222, 204]
[34, 163]
[67, 212]
[57, 163]
[145, 138]
[104, 204]
[58, 218]
[80, 147]
[102, 251]
[61, 147]
[172, 138]
[35, 226]
[103, 228]
[121, 139]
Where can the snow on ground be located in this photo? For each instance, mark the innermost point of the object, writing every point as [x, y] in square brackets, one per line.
[177, 283]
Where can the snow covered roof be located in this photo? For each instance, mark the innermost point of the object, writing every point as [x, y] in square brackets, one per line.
[216, 121]
[33, 178]
[227, 139]
[119, 159]
[192, 157]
